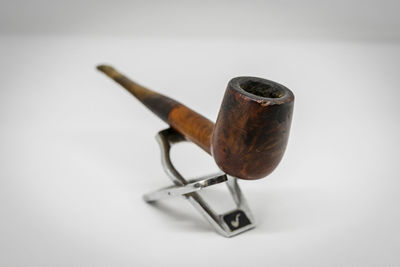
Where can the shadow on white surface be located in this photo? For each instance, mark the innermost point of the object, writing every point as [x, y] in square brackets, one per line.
[180, 220]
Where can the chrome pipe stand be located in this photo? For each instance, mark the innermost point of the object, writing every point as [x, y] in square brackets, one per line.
[231, 223]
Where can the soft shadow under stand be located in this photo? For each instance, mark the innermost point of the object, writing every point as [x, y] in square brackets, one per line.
[231, 223]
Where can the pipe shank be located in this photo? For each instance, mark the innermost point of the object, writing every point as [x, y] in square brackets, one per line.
[186, 121]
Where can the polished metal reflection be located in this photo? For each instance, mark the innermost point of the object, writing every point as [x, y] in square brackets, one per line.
[189, 189]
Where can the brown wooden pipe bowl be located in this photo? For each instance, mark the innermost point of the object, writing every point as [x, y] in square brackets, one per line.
[252, 129]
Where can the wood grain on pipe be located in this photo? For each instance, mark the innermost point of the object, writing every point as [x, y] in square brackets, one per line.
[252, 129]
[189, 123]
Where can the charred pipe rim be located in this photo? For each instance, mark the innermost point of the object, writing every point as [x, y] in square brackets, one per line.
[261, 90]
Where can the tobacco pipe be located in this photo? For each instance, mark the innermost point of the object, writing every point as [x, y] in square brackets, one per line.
[252, 129]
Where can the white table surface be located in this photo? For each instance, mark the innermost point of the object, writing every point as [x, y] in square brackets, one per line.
[78, 152]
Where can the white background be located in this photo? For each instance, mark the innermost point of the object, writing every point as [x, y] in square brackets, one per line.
[77, 152]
